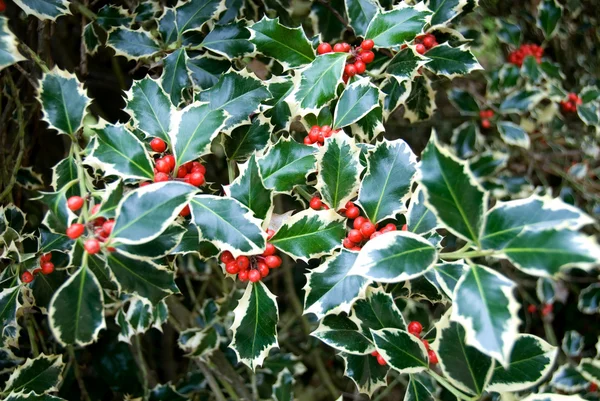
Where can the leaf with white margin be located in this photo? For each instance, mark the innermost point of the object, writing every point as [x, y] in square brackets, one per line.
[255, 325]
[59, 216]
[377, 311]
[11, 300]
[40, 375]
[531, 360]
[405, 64]
[448, 274]
[589, 113]
[386, 186]
[396, 92]
[315, 85]
[506, 220]
[417, 391]
[199, 342]
[521, 101]
[9, 54]
[283, 387]
[339, 168]
[549, 15]
[370, 126]
[546, 253]
[45, 9]
[445, 10]
[193, 130]
[590, 369]
[146, 212]
[310, 234]
[167, 26]
[132, 44]
[450, 61]
[230, 40]
[110, 199]
[551, 397]
[206, 70]
[76, 311]
[464, 102]
[572, 344]
[401, 350]
[545, 289]
[400, 25]
[485, 306]
[31, 396]
[195, 13]
[357, 100]
[64, 172]
[465, 367]
[63, 101]
[286, 164]
[360, 13]
[568, 379]
[465, 139]
[249, 189]
[279, 113]
[175, 77]
[289, 46]
[247, 139]
[325, 22]
[228, 224]
[343, 334]
[393, 257]
[452, 192]
[589, 299]
[513, 134]
[109, 16]
[330, 289]
[420, 104]
[419, 219]
[116, 151]
[149, 105]
[365, 372]
[488, 163]
[159, 247]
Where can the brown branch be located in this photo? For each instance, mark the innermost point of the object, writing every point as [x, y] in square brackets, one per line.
[335, 13]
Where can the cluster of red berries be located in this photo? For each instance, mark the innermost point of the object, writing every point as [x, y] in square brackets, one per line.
[380, 359]
[46, 267]
[363, 229]
[190, 172]
[415, 328]
[318, 134]
[252, 268]
[101, 227]
[570, 105]
[485, 115]
[317, 204]
[546, 309]
[518, 56]
[360, 56]
[425, 42]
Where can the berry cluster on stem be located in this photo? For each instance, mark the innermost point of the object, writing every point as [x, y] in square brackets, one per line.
[99, 226]
[517, 57]
[46, 267]
[190, 172]
[359, 56]
[570, 105]
[485, 116]
[318, 134]
[416, 328]
[363, 229]
[425, 42]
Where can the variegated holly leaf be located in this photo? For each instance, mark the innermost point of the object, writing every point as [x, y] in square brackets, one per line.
[206, 71]
[231, 40]
[338, 176]
[45, 9]
[396, 92]
[239, 94]
[405, 64]
[63, 100]
[464, 366]
[9, 53]
[509, 33]
[249, 189]
[365, 372]
[450, 61]
[572, 344]
[193, 130]
[199, 342]
[175, 77]
[59, 216]
[395, 27]
[286, 164]
[110, 200]
[315, 85]
[507, 220]
[11, 300]
[117, 151]
[167, 26]
[513, 134]
[360, 13]
[40, 375]
[247, 139]
[531, 69]
[487, 163]
[28, 179]
[589, 113]
[76, 311]
[444, 10]
[310, 234]
[289, 46]
[452, 191]
[63, 173]
[377, 311]
[401, 350]
[420, 219]
[330, 289]
[589, 299]
[417, 391]
[568, 379]
[279, 113]
[110, 16]
[370, 126]
[464, 102]
[420, 104]
[393, 257]
[146, 212]
[255, 325]
[195, 13]
[150, 108]
[386, 186]
[283, 387]
[140, 317]
[343, 334]
[465, 139]
[549, 15]
[192, 243]
[49, 241]
[90, 39]
[159, 247]
[132, 44]
[448, 274]
[590, 369]
[521, 101]
[357, 100]
[98, 266]
[228, 224]
[325, 22]
[486, 308]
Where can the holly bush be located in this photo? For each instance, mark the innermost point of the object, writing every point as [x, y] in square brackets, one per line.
[239, 199]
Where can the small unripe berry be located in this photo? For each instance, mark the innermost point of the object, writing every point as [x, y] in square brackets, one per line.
[433, 359]
[352, 212]
[273, 261]
[415, 328]
[355, 236]
[269, 249]
[367, 44]
[380, 360]
[75, 203]
[226, 257]
[161, 177]
[420, 48]
[367, 229]
[315, 203]
[197, 179]
[360, 66]
[26, 277]
[47, 268]
[75, 231]
[254, 276]
[324, 48]
[92, 246]
[158, 145]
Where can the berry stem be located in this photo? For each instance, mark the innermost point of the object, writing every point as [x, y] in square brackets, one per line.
[449, 387]
[304, 193]
[231, 170]
[31, 334]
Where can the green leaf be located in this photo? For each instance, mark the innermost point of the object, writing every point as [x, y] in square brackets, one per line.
[206, 71]
[452, 191]
[110, 16]
[521, 101]
[405, 64]
[357, 100]
[464, 102]
[589, 299]
[448, 275]
[41, 375]
[193, 130]
[167, 26]
[161, 246]
[132, 44]
[228, 224]
[247, 139]
[370, 126]
[531, 69]
[572, 344]
[286, 164]
[63, 173]
[283, 387]
[248, 188]
[315, 85]
[513, 134]
[76, 311]
[396, 92]
[195, 13]
[451, 62]
[377, 311]
[393, 28]
[255, 325]
[279, 113]
[325, 22]
[146, 212]
[289, 46]
[45, 9]
[231, 40]
[589, 114]
[118, 152]
[330, 289]
[10, 302]
[175, 76]
[420, 104]
[150, 108]
[419, 219]
[63, 100]
[140, 317]
[341, 333]
[365, 372]
[49, 241]
[59, 216]
[402, 351]
[487, 163]
[509, 33]
[386, 186]
[393, 257]
[9, 53]
[199, 342]
[549, 15]
[360, 13]
[111, 198]
[507, 220]
[310, 234]
[338, 176]
[568, 379]
[590, 369]
[484, 305]
[100, 269]
[445, 10]
[465, 139]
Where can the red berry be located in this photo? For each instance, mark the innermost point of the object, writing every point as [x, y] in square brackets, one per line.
[181, 172]
[243, 275]
[47, 268]
[162, 166]
[483, 114]
[325, 128]
[92, 246]
[355, 248]
[158, 145]
[547, 309]
[348, 244]
[307, 141]
[532, 309]
[197, 166]
[367, 57]
[345, 78]
[270, 233]
[360, 66]
[108, 226]
[486, 124]
[314, 134]
[47, 257]
[185, 211]
[429, 41]
[593, 387]
[36, 271]
[338, 48]
[346, 47]
[374, 353]
[404, 227]
[263, 269]
[420, 48]
[324, 48]
[490, 113]
[380, 360]
[243, 262]
[425, 343]
[231, 267]
[433, 359]
[273, 261]
[226, 257]
[74, 231]
[161, 177]
[197, 179]
[253, 275]
[352, 212]
[321, 137]
[143, 184]
[315, 203]
[376, 234]
[348, 205]
[269, 249]
[367, 229]
[415, 328]
[355, 236]
[26, 277]
[390, 227]
[367, 44]
[75, 203]
[350, 70]
[358, 222]
[171, 160]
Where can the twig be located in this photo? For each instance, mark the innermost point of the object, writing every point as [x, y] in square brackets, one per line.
[35, 57]
[20, 137]
[78, 377]
[141, 362]
[291, 292]
[324, 375]
[212, 383]
[335, 13]
[32, 341]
